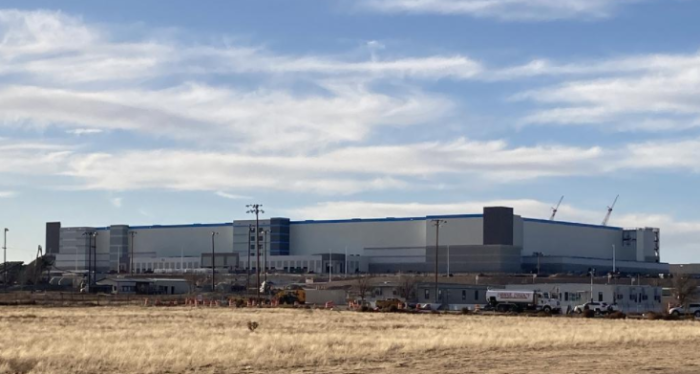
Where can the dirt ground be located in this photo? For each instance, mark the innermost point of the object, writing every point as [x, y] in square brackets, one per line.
[218, 340]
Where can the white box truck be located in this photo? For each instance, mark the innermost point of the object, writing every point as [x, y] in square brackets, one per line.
[521, 300]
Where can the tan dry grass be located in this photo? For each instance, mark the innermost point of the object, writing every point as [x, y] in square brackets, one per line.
[179, 340]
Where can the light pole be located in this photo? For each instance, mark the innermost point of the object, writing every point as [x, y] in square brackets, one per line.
[265, 248]
[591, 271]
[213, 262]
[257, 210]
[538, 254]
[448, 261]
[131, 257]
[346, 261]
[437, 223]
[4, 256]
[251, 230]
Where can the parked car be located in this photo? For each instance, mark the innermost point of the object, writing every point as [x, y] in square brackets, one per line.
[597, 308]
[693, 309]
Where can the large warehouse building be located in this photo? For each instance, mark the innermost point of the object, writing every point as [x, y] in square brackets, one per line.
[496, 241]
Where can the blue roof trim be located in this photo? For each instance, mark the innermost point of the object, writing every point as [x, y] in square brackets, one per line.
[308, 222]
[457, 216]
[389, 219]
[181, 226]
[572, 224]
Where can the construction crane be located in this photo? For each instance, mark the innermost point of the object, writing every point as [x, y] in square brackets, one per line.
[610, 210]
[555, 210]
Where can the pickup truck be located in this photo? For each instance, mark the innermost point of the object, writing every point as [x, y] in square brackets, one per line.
[597, 308]
[693, 309]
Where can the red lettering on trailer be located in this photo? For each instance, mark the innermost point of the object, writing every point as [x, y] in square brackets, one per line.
[514, 296]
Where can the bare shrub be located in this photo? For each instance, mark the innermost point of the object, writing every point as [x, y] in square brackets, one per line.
[252, 326]
[616, 315]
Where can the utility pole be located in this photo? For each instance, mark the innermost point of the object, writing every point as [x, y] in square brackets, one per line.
[213, 262]
[4, 259]
[94, 258]
[88, 248]
[257, 210]
[437, 223]
[131, 257]
[91, 257]
[88, 244]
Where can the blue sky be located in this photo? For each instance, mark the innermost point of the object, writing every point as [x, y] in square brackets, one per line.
[140, 112]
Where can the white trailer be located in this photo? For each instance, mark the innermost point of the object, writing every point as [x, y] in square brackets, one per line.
[519, 300]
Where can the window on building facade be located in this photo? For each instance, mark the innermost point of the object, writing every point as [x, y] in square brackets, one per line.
[427, 294]
[464, 295]
[476, 294]
[600, 296]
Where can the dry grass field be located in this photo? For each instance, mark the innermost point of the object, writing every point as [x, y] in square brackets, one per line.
[183, 340]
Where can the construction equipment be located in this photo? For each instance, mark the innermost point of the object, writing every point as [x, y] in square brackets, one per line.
[556, 209]
[291, 296]
[610, 210]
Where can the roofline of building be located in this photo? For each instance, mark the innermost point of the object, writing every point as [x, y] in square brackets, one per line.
[538, 220]
[364, 220]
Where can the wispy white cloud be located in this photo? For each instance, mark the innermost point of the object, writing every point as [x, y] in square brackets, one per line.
[116, 201]
[7, 194]
[341, 171]
[528, 10]
[664, 155]
[80, 132]
[59, 48]
[643, 93]
[42, 32]
[231, 196]
[27, 157]
[261, 119]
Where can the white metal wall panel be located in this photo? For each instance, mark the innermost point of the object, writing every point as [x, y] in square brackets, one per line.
[320, 237]
[572, 240]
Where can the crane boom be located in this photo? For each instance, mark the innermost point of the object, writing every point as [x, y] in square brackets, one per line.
[610, 210]
[556, 209]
